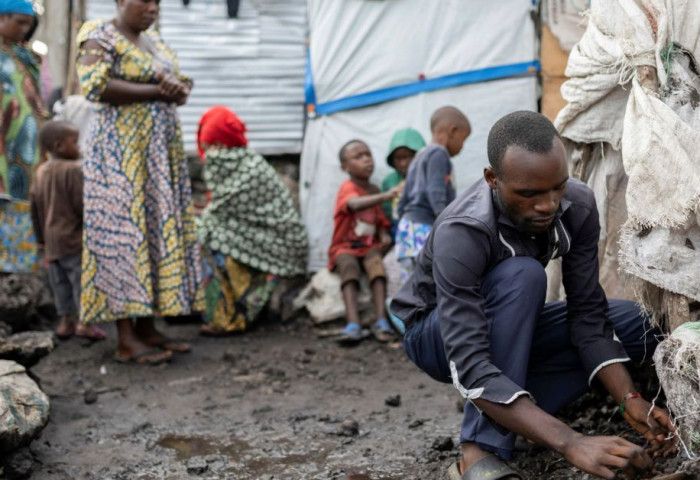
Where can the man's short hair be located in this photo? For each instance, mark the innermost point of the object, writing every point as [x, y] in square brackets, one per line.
[528, 130]
[341, 153]
[52, 131]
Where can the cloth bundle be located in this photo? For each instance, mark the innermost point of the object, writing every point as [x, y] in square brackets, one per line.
[657, 130]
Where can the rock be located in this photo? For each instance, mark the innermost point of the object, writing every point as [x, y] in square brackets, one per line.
[17, 465]
[26, 348]
[197, 466]
[443, 444]
[216, 463]
[5, 330]
[229, 357]
[23, 299]
[90, 396]
[393, 400]
[24, 408]
[417, 423]
[349, 428]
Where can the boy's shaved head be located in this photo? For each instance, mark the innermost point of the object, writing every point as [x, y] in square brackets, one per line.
[341, 153]
[448, 117]
[52, 131]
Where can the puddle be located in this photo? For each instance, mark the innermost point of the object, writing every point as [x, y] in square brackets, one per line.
[362, 476]
[187, 447]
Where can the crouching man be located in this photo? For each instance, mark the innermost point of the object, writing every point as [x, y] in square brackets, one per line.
[475, 313]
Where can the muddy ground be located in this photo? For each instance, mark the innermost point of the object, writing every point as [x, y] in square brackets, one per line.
[275, 403]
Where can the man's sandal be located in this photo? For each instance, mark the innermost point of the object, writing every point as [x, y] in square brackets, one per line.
[488, 468]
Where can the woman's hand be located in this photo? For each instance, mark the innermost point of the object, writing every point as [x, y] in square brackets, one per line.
[173, 90]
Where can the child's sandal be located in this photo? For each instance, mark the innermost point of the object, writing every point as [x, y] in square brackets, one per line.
[351, 334]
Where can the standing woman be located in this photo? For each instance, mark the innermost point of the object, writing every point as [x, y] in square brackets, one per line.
[21, 107]
[140, 256]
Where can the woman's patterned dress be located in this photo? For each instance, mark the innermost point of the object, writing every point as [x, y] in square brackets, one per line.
[140, 256]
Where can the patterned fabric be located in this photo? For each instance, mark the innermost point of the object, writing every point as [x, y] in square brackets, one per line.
[17, 245]
[251, 216]
[235, 294]
[140, 253]
[410, 238]
[22, 111]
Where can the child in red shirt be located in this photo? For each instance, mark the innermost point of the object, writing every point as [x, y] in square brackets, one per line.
[360, 236]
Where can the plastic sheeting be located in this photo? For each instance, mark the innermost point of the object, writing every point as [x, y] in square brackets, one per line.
[360, 46]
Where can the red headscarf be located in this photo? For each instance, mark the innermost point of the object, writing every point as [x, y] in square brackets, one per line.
[221, 125]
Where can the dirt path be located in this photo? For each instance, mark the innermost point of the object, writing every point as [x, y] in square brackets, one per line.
[277, 403]
[270, 404]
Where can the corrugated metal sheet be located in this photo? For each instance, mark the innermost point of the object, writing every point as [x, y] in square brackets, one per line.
[253, 64]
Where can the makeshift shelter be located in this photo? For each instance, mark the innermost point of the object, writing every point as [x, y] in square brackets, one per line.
[378, 66]
[633, 122]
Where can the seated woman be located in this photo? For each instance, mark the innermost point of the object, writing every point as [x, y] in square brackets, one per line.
[250, 231]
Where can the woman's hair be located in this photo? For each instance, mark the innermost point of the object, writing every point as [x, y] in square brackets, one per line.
[32, 29]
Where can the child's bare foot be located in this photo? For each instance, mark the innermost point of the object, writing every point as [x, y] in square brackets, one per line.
[90, 331]
[66, 327]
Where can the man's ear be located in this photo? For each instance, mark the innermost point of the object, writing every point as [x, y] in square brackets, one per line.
[490, 177]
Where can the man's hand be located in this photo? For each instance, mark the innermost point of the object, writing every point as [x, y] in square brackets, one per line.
[602, 455]
[655, 424]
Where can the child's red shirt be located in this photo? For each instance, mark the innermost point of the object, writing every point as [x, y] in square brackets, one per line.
[356, 232]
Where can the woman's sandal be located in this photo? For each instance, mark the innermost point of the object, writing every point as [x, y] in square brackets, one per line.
[149, 357]
[382, 331]
[174, 345]
[488, 468]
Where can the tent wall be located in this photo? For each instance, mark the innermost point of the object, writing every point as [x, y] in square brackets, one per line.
[360, 46]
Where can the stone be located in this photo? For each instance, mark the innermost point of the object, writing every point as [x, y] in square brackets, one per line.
[5, 330]
[349, 428]
[197, 466]
[393, 400]
[90, 396]
[23, 299]
[24, 408]
[26, 348]
[443, 444]
[17, 465]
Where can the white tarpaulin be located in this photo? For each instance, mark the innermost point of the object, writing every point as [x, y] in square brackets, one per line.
[360, 47]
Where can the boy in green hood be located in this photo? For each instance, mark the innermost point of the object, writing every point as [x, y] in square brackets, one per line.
[405, 143]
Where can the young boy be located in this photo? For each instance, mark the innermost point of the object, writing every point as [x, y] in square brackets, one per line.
[428, 189]
[57, 214]
[360, 237]
[405, 143]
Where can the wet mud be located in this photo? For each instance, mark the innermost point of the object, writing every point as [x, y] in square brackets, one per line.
[276, 403]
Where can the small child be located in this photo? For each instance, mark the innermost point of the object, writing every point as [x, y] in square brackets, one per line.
[57, 214]
[360, 237]
[403, 147]
[428, 189]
